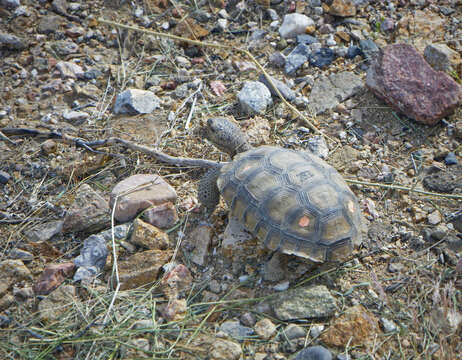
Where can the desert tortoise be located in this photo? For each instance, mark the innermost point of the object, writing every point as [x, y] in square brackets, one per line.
[293, 201]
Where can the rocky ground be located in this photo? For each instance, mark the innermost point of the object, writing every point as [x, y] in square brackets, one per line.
[90, 269]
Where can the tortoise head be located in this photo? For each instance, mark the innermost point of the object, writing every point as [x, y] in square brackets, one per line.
[227, 136]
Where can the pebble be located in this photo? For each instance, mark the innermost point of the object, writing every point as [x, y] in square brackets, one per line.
[20, 254]
[254, 98]
[285, 91]
[316, 330]
[225, 350]
[52, 277]
[199, 242]
[388, 325]
[314, 353]
[248, 319]
[282, 286]
[10, 4]
[294, 331]
[294, 24]
[75, 117]
[92, 258]
[265, 328]
[135, 101]
[4, 177]
[235, 330]
[368, 48]
[318, 146]
[451, 159]
[12, 42]
[441, 57]
[148, 236]
[322, 57]
[277, 60]
[306, 39]
[296, 58]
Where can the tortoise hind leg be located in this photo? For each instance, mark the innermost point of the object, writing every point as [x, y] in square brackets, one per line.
[208, 192]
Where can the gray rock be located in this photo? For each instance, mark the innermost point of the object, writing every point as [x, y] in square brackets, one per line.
[88, 213]
[75, 117]
[388, 325]
[135, 101]
[294, 24]
[306, 39]
[318, 146]
[4, 177]
[316, 330]
[198, 242]
[368, 48]
[9, 4]
[92, 258]
[65, 47]
[285, 91]
[304, 303]
[328, 92]
[12, 42]
[277, 60]
[297, 58]
[49, 24]
[254, 98]
[69, 69]
[451, 159]
[248, 319]
[272, 14]
[441, 57]
[294, 331]
[282, 286]
[53, 306]
[314, 353]
[235, 330]
[21, 255]
[45, 231]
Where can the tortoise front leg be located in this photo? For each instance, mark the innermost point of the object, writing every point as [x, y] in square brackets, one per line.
[208, 192]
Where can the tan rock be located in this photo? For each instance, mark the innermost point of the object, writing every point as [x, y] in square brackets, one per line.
[139, 192]
[356, 326]
[57, 303]
[175, 310]
[148, 236]
[265, 328]
[342, 8]
[199, 242]
[142, 268]
[12, 271]
[6, 301]
[225, 350]
[177, 282]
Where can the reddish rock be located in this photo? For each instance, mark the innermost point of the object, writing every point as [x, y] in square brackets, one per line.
[139, 192]
[177, 282]
[52, 277]
[163, 216]
[342, 8]
[402, 78]
[356, 326]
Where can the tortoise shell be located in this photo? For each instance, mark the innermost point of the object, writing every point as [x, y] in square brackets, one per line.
[292, 201]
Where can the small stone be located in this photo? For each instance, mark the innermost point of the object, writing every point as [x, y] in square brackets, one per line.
[388, 325]
[135, 101]
[304, 302]
[306, 39]
[88, 213]
[254, 98]
[441, 57]
[75, 117]
[177, 282]
[368, 48]
[401, 77]
[10, 4]
[357, 326]
[248, 319]
[277, 60]
[225, 350]
[198, 244]
[285, 91]
[141, 191]
[70, 70]
[222, 24]
[19, 254]
[45, 231]
[294, 331]
[11, 272]
[434, 218]
[148, 236]
[316, 330]
[296, 58]
[65, 47]
[395, 267]
[318, 146]
[12, 42]
[314, 353]
[163, 216]
[23, 293]
[343, 8]
[53, 276]
[142, 268]
[57, 303]
[294, 24]
[282, 286]
[322, 57]
[49, 147]
[235, 330]
[49, 24]
[265, 328]
[353, 51]
[92, 258]
[4, 177]
[6, 301]
[451, 159]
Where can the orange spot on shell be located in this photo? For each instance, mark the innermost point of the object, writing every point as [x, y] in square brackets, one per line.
[304, 221]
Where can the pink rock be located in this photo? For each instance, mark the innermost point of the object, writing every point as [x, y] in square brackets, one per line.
[177, 282]
[52, 277]
[163, 216]
[139, 192]
[402, 78]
